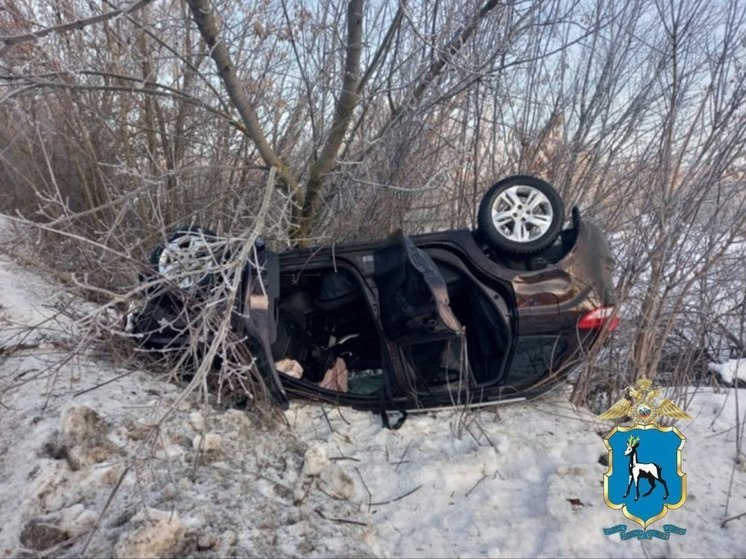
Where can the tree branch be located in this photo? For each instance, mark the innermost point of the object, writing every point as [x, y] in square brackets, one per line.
[452, 48]
[205, 20]
[346, 104]
[140, 87]
[436, 68]
[384, 46]
[72, 26]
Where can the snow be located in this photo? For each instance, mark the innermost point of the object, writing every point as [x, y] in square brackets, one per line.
[730, 371]
[522, 480]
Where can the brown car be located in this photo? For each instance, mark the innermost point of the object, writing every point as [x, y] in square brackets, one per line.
[436, 320]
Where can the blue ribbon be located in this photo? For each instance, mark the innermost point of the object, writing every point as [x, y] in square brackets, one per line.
[621, 529]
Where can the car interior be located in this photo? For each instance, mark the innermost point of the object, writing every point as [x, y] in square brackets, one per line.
[323, 314]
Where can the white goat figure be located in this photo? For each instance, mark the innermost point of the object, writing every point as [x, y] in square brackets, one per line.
[637, 470]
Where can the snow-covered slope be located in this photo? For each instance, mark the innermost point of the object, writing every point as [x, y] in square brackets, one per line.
[517, 481]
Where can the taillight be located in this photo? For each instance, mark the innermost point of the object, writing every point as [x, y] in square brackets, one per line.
[598, 318]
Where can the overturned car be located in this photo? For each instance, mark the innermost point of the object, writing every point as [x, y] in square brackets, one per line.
[435, 320]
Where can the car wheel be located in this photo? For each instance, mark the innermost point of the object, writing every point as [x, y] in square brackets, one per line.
[521, 215]
[189, 258]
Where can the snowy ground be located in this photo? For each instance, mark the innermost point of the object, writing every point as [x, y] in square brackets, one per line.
[523, 481]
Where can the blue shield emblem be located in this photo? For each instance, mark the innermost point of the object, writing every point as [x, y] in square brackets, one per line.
[644, 478]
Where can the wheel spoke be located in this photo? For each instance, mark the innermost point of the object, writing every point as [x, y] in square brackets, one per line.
[540, 220]
[510, 199]
[523, 235]
[537, 199]
[533, 199]
[501, 219]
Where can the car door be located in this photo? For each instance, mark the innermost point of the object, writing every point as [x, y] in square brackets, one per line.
[255, 316]
[423, 337]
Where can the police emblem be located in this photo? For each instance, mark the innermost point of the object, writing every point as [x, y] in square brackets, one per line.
[644, 478]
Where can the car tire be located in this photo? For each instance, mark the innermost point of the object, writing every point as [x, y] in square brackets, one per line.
[521, 215]
[189, 258]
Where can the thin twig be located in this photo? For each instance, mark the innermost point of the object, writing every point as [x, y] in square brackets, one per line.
[399, 498]
[401, 460]
[342, 417]
[340, 458]
[736, 517]
[365, 485]
[97, 386]
[484, 433]
[340, 520]
[328, 422]
[473, 487]
[103, 511]
[730, 484]
[71, 26]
